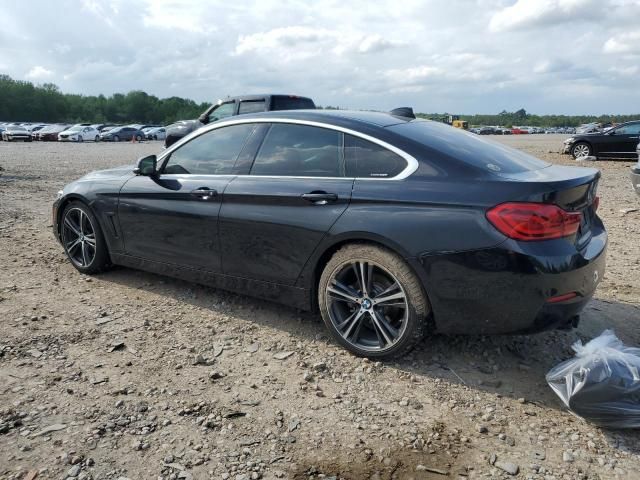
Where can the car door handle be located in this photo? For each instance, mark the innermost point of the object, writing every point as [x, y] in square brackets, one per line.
[320, 198]
[204, 193]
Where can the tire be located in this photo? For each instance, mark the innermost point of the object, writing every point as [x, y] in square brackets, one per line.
[80, 138]
[138, 138]
[581, 149]
[390, 329]
[88, 255]
[116, 138]
[97, 138]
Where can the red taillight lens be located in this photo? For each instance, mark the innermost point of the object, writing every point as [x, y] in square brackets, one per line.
[533, 221]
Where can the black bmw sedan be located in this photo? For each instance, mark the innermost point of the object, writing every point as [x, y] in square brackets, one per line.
[390, 226]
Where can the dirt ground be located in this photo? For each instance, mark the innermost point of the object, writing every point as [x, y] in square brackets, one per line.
[133, 375]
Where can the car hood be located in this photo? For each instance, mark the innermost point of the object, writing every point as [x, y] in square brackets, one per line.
[116, 172]
[70, 132]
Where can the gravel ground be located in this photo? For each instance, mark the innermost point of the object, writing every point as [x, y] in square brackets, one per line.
[133, 375]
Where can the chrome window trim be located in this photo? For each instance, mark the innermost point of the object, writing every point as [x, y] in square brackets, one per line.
[412, 163]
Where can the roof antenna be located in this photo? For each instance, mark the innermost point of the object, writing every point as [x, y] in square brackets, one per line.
[406, 112]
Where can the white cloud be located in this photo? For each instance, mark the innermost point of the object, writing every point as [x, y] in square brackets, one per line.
[532, 13]
[39, 73]
[624, 43]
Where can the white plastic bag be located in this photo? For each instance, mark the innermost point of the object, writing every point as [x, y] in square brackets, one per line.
[601, 383]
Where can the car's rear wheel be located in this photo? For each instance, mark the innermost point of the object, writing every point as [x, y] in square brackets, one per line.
[372, 302]
[97, 138]
[138, 138]
[581, 149]
[82, 239]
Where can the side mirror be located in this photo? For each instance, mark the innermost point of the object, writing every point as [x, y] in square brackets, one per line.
[146, 166]
[204, 118]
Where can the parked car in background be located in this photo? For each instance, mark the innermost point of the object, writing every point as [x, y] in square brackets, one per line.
[303, 207]
[519, 131]
[635, 172]
[14, 133]
[119, 134]
[79, 133]
[238, 106]
[156, 133]
[107, 127]
[50, 132]
[616, 142]
[486, 131]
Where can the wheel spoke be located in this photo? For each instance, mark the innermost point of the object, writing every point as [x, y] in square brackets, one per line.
[354, 319]
[386, 296]
[85, 262]
[73, 244]
[74, 228]
[90, 239]
[342, 292]
[364, 272]
[380, 328]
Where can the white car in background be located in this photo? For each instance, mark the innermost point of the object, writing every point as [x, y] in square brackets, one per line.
[155, 133]
[79, 133]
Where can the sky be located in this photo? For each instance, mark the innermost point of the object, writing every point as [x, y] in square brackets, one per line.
[456, 56]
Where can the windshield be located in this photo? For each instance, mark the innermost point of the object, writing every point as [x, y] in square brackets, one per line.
[474, 150]
[75, 129]
[18, 128]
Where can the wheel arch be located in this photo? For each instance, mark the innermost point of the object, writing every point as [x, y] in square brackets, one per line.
[322, 256]
[66, 200]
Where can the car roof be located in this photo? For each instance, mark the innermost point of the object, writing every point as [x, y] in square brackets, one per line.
[380, 119]
[258, 96]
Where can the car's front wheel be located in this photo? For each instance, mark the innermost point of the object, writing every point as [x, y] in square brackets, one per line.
[97, 138]
[372, 302]
[82, 239]
[581, 149]
[116, 138]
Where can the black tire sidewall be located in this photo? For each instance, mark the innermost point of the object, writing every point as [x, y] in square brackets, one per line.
[101, 260]
[419, 309]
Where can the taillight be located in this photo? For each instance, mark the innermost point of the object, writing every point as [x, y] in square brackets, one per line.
[533, 221]
[596, 204]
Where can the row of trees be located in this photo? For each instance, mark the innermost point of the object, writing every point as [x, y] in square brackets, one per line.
[22, 101]
[521, 117]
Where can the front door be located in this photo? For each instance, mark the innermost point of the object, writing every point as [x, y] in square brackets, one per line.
[272, 220]
[173, 217]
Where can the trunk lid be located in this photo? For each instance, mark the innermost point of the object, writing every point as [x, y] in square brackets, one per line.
[572, 188]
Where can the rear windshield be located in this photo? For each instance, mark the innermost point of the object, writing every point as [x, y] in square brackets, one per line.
[478, 151]
[291, 103]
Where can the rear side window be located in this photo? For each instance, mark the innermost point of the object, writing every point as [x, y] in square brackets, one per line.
[474, 150]
[251, 106]
[365, 159]
[632, 129]
[280, 102]
[212, 153]
[222, 111]
[299, 151]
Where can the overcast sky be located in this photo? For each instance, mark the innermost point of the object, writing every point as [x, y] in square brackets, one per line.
[459, 56]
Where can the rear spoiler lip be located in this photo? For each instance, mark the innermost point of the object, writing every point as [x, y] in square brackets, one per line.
[557, 175]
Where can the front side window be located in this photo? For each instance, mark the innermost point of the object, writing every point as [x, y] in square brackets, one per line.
[251, 106]
[212, 153]
[364, 159]
[222, 111]
[633, 129]
[299, 151]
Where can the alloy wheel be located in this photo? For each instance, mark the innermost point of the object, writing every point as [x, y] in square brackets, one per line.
[79, 237]
[581, 150]
[367, 305]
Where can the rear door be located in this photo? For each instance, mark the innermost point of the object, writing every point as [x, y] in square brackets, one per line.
[626, 139]
[272, 219]
[173, 218]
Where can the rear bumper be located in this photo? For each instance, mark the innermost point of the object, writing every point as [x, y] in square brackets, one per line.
[635, 178]
[506, 289]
